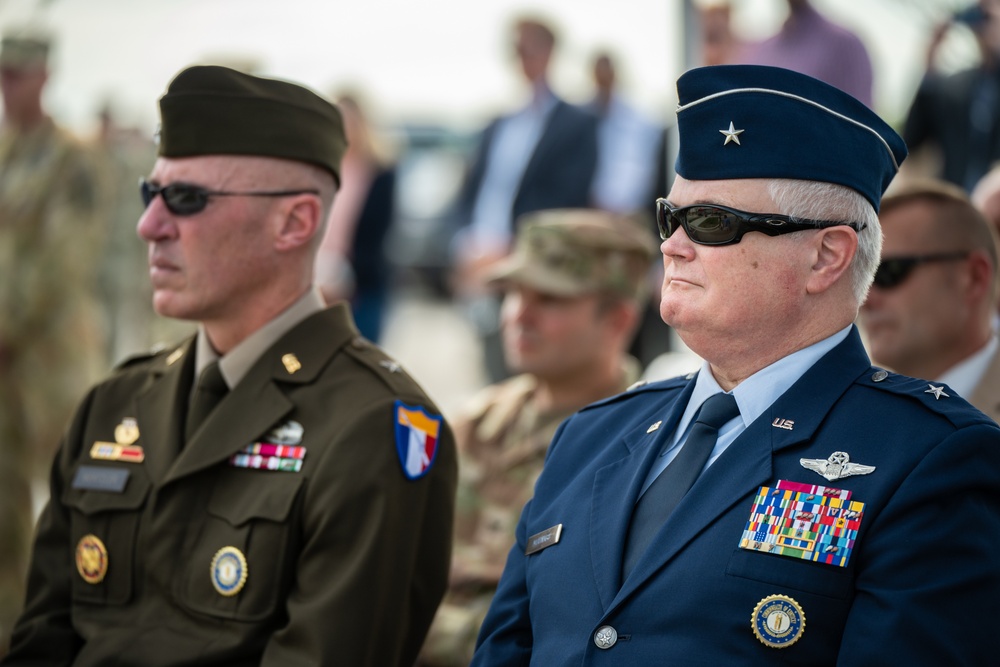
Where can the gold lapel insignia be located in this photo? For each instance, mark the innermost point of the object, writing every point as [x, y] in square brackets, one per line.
[174, 356]
[291, 362]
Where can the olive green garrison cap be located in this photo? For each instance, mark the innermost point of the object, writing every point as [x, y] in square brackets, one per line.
[213, 110]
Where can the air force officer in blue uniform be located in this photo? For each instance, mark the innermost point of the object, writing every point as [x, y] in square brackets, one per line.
[838, 514]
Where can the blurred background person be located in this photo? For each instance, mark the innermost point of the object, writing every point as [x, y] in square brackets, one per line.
[542, 156]
[51, 337]
[930, 311]
[572, 294]
[986, 197]
[958, 115]
[719, 45]
[132, 326]
[352, 263]
[630, 148]
[631, 173]
[810, 43]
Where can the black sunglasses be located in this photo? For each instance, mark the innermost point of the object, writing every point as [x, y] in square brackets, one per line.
[894, 270]
[710, 224]
[185, 199]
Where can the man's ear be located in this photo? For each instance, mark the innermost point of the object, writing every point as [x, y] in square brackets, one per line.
[834, 250]
[981, 276]
[301, 221]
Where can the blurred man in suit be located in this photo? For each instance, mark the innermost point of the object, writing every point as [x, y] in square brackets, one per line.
[542, 156]
[930, 311]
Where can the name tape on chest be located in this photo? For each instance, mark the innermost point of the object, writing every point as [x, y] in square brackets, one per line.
[544, 539]
[99, 478]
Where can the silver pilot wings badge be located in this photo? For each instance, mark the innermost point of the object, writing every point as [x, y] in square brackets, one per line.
[836, 467]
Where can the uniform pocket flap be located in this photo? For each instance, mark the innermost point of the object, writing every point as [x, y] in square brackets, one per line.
[101, 495]
[241, 495]
[801, 575]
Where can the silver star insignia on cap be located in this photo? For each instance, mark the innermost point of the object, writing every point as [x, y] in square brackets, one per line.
[937, 391]
[732, 134]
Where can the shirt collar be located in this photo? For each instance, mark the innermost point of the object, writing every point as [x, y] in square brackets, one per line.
[756, 393]
[965, 376]
[238, 361]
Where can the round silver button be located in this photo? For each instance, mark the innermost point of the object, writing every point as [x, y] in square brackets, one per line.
[879, 376]
[606, 637]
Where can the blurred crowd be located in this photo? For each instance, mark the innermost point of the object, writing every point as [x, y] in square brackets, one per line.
[426, 221]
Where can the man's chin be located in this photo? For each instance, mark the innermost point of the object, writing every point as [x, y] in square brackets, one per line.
[166, 305]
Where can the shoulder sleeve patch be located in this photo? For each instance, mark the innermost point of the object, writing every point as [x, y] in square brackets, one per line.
[417, 434]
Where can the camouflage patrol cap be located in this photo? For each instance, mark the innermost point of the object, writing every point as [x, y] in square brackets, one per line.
[571, 252]
[22, 50]
[214, 110]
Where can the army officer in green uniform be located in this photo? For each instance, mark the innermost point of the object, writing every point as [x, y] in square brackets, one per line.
[293, 506]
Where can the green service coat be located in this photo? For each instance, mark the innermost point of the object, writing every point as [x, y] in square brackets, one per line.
[345, 560]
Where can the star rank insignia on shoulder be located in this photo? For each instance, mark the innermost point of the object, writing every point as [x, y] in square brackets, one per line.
[938, 392]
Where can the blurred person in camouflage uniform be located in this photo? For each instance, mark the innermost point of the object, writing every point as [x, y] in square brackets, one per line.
[123, 154]
[51, 344]
[572, 294]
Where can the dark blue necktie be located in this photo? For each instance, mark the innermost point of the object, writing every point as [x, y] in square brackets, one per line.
[663, 495]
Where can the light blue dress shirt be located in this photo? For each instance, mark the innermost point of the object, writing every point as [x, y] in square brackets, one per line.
[753, 396]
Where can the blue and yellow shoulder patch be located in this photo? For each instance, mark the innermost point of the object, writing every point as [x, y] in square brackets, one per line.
[417, 436]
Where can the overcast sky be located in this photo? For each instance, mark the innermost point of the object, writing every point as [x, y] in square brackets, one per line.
[443, 60]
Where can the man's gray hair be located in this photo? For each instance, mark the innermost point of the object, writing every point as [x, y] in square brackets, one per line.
[828, 201]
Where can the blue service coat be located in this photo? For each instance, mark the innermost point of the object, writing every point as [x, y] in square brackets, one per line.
[920, 587]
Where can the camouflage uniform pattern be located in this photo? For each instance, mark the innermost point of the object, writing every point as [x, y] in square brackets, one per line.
[502, 440]
[126, 294]
[571, 252]
[51, 338]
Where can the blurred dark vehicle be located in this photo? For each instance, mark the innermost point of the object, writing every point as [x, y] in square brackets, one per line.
[431, 167]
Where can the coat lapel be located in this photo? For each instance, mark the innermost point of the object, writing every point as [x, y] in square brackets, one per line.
[550, 133]
[616, 488]
[259, 402]
[748, 462]
[159, 408]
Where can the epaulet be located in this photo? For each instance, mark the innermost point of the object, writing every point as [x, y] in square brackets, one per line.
[135, 359]
[937, 397]
[645, 387]
[384, 367]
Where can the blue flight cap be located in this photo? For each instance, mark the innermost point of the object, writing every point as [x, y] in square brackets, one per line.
[751, 121]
